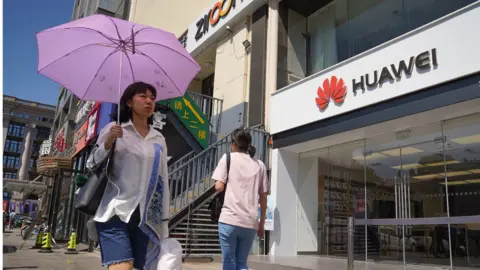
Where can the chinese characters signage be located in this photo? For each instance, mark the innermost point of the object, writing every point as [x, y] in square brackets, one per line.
[60, 144]
[79, 138]
[183, 39]
[159, 120]
[191, 117]
[84, 111]
[45, 147]
[92, 123]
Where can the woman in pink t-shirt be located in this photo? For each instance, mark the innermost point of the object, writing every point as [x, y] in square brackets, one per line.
[246, 186]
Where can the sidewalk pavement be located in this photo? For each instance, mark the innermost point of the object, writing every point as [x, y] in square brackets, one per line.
[26, 258]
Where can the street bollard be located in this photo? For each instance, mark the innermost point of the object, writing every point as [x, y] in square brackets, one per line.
[351, 231]
[46, 243]
[38, 241]
[72, 244]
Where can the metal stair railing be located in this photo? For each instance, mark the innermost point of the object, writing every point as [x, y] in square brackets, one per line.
[211, 107]
[186, 158]
[191, 177]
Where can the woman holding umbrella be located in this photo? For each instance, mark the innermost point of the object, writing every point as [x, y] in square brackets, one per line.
[106, 59]
[140, 160]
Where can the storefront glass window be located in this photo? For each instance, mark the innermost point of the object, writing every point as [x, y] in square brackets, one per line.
[310, 42]
[421, 186]
[341, 193]
[462, 136]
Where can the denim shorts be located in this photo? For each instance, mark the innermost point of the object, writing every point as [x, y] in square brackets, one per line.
[122, 242]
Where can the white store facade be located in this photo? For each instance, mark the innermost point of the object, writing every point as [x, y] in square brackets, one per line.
[390, 136]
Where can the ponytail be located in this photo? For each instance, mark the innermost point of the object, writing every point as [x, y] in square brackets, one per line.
[242, 139]
[251, 150]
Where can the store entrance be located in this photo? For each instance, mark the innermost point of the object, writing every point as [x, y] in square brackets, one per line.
[413, 194]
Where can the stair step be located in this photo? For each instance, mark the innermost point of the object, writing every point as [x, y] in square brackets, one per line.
[196, 234]
[201, 215]
[184, 225]
[199, 255]
[200, 245]
[198, 240]
[203, 220]
[195, 230]
[205, 249]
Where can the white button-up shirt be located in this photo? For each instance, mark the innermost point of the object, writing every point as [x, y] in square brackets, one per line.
[130, 175]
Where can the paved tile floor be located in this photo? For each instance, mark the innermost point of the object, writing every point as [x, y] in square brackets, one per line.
[26, 258]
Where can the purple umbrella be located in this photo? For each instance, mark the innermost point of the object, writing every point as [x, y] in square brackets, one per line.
[97, 57]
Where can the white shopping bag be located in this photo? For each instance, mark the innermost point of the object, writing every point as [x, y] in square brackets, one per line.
[170, 257]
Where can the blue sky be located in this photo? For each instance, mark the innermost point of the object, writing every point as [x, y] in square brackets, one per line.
[21, 20]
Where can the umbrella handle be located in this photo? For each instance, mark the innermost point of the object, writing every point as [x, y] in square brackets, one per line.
[119, 87]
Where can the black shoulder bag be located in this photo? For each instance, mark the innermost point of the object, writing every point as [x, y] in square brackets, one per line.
[217, 202]
[90, 195]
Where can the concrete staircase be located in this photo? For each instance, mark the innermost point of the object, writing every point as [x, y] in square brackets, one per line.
[197, 234]
[191, 190]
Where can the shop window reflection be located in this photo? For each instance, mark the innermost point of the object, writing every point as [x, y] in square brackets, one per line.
[462, 148]
[403, 165]
[417, 181]
[341, 194]
[341, 29]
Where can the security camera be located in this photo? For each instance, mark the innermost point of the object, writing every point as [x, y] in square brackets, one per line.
[229, 29]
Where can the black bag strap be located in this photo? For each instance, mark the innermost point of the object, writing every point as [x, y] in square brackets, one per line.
[228, 165]
[108, 161]
[110, 157]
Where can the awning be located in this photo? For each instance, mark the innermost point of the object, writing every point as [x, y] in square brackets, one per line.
[22, 186]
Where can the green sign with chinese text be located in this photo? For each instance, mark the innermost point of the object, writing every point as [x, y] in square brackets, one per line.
[191, 116]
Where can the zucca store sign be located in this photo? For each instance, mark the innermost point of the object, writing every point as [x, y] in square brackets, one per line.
[219, 11]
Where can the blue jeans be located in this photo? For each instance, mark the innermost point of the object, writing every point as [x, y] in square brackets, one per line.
[236, 243]
[122, 242]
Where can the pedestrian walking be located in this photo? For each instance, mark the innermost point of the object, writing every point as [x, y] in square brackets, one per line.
[11, 221]
[98, 58]
[127, 220]
[246, 184]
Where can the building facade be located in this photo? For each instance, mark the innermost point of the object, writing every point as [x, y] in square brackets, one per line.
[26, 124]
[229, 46]
[376, 116]
[228, 39]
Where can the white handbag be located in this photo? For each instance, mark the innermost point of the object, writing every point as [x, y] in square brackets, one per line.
[170, 256]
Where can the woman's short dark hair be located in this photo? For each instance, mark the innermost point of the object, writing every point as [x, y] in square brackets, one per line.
[242, 138]
[130, 91]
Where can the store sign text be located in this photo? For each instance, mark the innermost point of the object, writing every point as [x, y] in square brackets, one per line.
[84, 111]
[45, 147]
[216, 13]
[60, 144]
[423, 62]
[79, 139]
[159, 120]
[92, 125]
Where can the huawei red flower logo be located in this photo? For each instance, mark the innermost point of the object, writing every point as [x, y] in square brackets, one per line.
[333, 89]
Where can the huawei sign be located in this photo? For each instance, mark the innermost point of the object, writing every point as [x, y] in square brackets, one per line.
[333, 89]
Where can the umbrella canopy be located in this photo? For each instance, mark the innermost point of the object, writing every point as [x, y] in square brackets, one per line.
[97, 57]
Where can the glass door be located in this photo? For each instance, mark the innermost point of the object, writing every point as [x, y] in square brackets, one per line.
[413, 192]
[405, 171]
